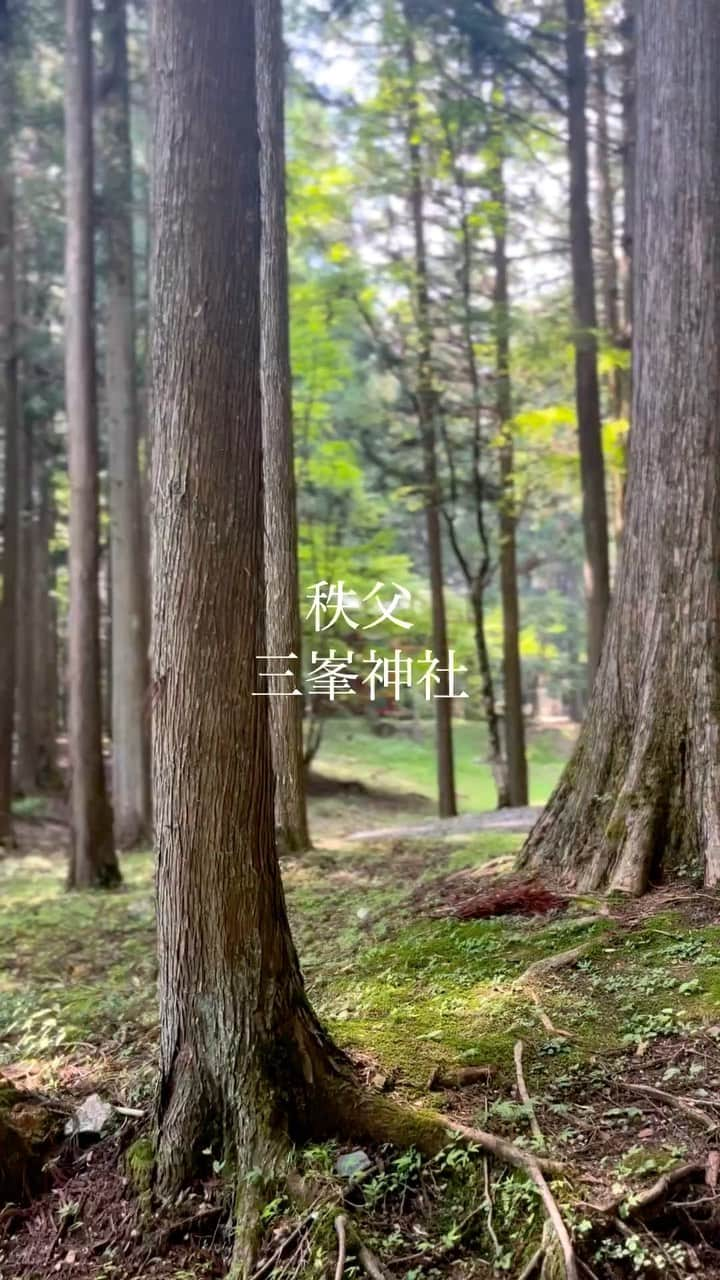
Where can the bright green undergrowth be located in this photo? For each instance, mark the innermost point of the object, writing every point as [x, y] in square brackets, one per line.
[77, 971]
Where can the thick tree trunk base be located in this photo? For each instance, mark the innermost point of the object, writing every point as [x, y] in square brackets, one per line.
[632, 809]
[28, 1133]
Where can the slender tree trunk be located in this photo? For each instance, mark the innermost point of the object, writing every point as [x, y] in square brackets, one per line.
[25, 767]
[477, 581]
[592, 469]
[426, 408]
[92, 859]
[512, 671]
[129, 670]
[9, 408]
[641, 793]
[45, 648]
[282, 588]
[245, 1066]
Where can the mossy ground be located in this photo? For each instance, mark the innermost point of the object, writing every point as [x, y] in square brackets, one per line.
[405, 991]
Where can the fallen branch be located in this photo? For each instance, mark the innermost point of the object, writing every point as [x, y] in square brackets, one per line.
[525, 1096]
[460, 1078]
[680, 1104]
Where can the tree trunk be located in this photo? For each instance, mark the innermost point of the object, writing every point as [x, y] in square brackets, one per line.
[130, 671]
[92, 859]
[426, 408]
[9, 406]
[245, 1066]
[641, 793]
[592, 470]
[512, 672]
[618, 380]
[45, 648]
[282, 589]
[492, 719]
[628, 161]
[477, 581]
[25, 766]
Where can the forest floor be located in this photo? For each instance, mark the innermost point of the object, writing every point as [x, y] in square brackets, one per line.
[414, 991]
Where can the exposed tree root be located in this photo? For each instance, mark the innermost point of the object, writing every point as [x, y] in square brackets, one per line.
[551, 964]
[525, 1096]
[340, 1222]
[661, 1095]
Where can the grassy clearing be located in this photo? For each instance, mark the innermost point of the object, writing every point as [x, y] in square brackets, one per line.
[402, 764]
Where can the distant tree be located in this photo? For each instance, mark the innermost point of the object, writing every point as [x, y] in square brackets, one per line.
[640, 796]
[9, 408]
[26, 764]
[592, 469]
[92, 855]
[517, 772]
[45, 628]
[281, 557]
[129, 609]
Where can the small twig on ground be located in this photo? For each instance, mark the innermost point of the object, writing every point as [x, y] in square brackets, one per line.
[489, 1206]
[342, 1245]
[680, 1104]
[525, 1096]
[368, 1261]
[545, 1020]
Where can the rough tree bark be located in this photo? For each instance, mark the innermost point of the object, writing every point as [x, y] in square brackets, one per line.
[587, 393]
[129, 648]
[245, 1066]
[281, 566]
[9, 406]
[92, 855]
[629, 126]
[512, 672]
[641, 792]
[426, 409]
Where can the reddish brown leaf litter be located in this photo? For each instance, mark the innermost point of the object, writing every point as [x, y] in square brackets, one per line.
[519, 898]
[90, 1224]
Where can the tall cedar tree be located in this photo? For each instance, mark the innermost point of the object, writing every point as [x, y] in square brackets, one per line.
[129, 611]
[426, 398]
[245, 1066]
[281, 563]
[92, 856]
[9, 408]
[587, 390]
[640, 795]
